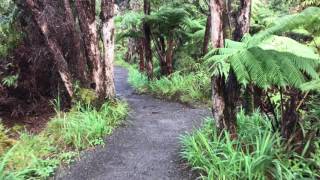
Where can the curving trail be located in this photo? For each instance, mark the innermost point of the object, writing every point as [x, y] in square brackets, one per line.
[145, 147]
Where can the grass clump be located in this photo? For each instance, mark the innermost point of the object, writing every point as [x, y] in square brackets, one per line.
[257, 153]
[37, 156]
[84, 126]
[189, 88]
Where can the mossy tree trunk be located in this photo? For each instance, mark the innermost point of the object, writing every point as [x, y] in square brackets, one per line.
[88, 25]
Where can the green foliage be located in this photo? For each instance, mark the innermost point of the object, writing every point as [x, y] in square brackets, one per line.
[5, 141]
[10, 81]
[166, 19]
[84, 126]
[37, 156]
[304, 3]
[9, 35]
[267, 60]
[86, 96]
[257, 153]
[191, 88]
[130, 24]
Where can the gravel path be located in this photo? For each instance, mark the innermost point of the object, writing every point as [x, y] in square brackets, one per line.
[145, 147]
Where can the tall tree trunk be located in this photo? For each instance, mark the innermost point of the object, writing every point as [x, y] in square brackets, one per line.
[141, 55]
[78, 61]
[147, 36]
[87, 19]
[243, 19]
[206, 36]
[108, 29]
[217, 81]
[62, 65]
[216, 10]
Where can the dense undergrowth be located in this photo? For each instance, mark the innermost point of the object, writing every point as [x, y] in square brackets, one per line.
[192, 88]
[257, 153]
[37, 156]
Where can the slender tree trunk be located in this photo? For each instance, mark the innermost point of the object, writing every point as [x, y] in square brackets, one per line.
[108, 29]
[147, 36]
[55, 49]
[169, 54]
[206, 36]
[86, 11]
[141, 55]
[130, 49]
[78, 61]
[243, 19]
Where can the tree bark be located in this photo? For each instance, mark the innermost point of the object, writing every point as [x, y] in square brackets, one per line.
[62, 65]
[243, 19]
[169, 54]
[160, 46]
[147, 36]
[130, 49]
[78, 61]
[218, 104]
[217, 81]
[108, 29]
[141, 55]
[86, 11]
[231, 98]
[206, 36]
[216, 10]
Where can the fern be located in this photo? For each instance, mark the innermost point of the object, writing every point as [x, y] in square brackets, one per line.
[166, 19]
[267, 60]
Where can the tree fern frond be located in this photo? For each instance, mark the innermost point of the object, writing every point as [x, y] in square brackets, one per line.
[309, 18]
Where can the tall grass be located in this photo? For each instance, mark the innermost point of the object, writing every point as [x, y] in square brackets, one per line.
[257, 153]
[37, 156]
[188, 88]
[84, 126]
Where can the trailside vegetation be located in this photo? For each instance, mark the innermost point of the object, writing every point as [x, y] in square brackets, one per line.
[255, 63]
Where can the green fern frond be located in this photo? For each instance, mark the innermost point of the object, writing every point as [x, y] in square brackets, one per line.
[278, 61]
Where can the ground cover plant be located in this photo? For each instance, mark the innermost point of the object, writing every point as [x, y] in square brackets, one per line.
[36, 156]
[257, 153]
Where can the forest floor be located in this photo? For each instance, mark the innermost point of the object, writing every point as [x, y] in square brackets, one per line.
[145, 147]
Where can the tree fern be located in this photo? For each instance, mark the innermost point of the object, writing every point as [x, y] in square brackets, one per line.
[267, 60]
[130, 24]
[166, 19]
